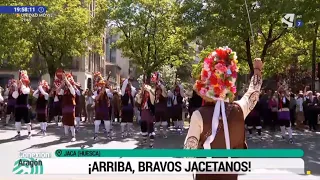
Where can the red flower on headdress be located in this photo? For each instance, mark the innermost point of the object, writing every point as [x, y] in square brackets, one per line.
[204, 74]
[227, 83]
[217, 90]
[222, 54]
[213, 79]
[221, 68]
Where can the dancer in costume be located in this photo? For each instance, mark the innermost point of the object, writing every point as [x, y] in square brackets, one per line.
[102, 105]
[160, 106]
[66, 89]
[253, 120]
[78, 110]
[42, 96]
[145, 100]
[177, 99]
[284, 112]
[127, 100]
[21, 94]
[217, 87]
[57, 109]
[11, 102]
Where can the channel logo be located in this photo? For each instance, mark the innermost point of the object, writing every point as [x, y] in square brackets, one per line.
[291, 20]
[27, 166]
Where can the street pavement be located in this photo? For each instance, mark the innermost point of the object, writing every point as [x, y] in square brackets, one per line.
[308, 141]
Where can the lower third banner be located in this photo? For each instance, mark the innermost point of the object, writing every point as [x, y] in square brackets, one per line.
[158, 166]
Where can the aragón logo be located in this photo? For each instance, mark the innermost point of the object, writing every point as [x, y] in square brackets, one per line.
[28, 166]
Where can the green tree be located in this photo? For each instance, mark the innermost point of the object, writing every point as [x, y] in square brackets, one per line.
[70, 28]
[149, 33]
[15, 49]
[222, 23]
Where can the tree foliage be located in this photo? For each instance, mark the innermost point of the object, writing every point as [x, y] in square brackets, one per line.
[226, 23]
[15, 49]
[149, 33]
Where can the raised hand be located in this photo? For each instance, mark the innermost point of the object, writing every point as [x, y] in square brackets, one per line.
[257, 66]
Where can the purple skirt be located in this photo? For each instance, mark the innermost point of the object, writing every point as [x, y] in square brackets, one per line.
[284, 115]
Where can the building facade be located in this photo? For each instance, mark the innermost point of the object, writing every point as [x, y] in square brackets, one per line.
[116, 63]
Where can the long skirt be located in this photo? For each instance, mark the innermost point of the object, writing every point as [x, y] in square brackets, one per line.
[127, 114]
[284, 118]
[161, 113]
[177, 112]
[57, 110]
[68, 115]
[22, 113]
[147, 125]
[42, 115]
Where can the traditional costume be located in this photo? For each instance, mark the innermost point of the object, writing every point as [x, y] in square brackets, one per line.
[177, 101]
[78, 109]
[65, 86]
[160, 106]
[42, 96]
[11, 102]
[127, 111]
[102, 105]
[170, 109]
[145, 99]
[21, 94]
[217, 87]
[57, 109]
[253, 120]
[284, 113]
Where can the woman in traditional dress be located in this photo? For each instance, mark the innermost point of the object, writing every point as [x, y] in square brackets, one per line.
[21, 94]
[217, 87]
[57, 109]
[160, 106]
[66, 89]
[102, 105]
[253, 120]
[11, 102]
[42, 96]
[284, 112]
[79, 105]
[127, 100]
[178, 95]
[146, 102]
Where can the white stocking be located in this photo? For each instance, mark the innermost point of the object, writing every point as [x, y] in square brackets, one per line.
[96, 126]
[283, 130]
[73, 131]
[66, 130]
[18, 126]
[107, 125]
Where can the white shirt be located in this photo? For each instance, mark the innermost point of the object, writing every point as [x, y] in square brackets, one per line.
[299, 104]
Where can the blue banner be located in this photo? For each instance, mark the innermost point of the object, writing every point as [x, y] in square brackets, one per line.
[23, 9]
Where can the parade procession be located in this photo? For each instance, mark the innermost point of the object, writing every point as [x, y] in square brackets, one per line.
[147, 108]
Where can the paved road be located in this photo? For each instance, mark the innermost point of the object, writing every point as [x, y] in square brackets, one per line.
[308, 141]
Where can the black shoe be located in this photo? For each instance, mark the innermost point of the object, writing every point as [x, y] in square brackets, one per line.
[291, 141]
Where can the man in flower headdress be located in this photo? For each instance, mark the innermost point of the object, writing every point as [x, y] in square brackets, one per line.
[160, 106]
[21, 94]
[217, 87]
[128, 93]
[145, 100]
[42, 96]
[102, 105]
[11, 102]
[67, 90]
[177, 101]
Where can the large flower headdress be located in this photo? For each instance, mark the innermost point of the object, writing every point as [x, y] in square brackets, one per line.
[218, 76]
[98, 79]
[24, 77]
[45, 85]
[58, 78]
